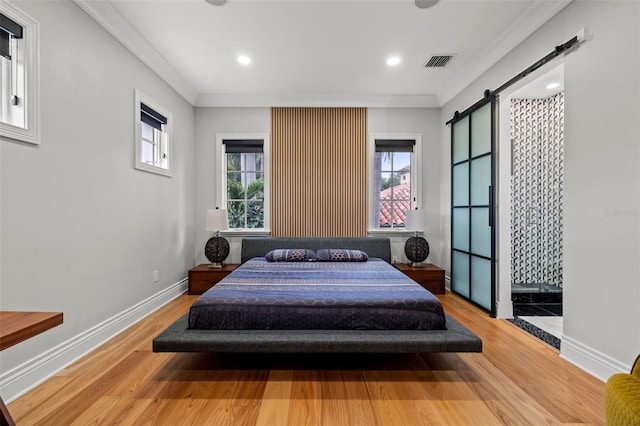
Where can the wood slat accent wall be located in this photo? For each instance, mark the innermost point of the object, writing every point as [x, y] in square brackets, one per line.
[319, 172]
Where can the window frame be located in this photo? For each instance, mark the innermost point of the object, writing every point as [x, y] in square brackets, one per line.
[29, 61]
[221, 196]
[416, 177]
[167, 135]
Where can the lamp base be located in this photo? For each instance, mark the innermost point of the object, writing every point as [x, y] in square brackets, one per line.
[216, 250]
[217, 265]
[417, 264]
[416, 249]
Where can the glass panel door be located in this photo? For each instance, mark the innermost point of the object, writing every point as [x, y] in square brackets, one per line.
[472, 207]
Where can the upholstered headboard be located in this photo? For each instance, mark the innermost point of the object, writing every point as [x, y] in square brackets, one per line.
[259, 246]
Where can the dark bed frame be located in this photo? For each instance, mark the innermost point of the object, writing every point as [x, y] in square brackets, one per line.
[179, 338]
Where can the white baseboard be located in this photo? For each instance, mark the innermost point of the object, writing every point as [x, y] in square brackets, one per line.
[504, 311]
[26, 376]
[593, 362]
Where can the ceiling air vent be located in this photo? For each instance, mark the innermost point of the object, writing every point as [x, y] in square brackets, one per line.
[438, 61]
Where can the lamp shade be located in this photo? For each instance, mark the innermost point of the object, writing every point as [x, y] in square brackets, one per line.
[217, 220]
[416, 220]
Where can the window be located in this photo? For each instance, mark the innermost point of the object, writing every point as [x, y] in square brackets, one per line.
[18, 73]
[394, 181]
[154, 140]
[245, 181]
[153, 136]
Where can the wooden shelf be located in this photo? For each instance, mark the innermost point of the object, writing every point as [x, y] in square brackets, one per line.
[16, 327]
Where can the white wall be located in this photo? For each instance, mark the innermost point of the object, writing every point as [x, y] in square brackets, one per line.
[424, 121]
[82, 230]
[602, 177]
[210, 121]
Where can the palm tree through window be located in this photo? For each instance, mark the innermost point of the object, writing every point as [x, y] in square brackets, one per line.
[245, 189]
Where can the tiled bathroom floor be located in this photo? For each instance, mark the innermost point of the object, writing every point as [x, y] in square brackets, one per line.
[550, 324]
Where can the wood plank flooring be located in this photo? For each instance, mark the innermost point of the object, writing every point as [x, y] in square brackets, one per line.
[516, 380]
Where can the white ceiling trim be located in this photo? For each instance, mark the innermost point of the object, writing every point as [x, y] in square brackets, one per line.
[371, 101]
[534, 18]
[105, 14]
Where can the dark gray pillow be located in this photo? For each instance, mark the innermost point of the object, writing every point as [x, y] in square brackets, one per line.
[290, 255]
[342, 255]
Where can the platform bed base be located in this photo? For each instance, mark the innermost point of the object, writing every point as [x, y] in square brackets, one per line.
[179, 338]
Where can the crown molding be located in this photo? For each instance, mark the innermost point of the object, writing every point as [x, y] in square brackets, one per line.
[107, 16]
[534, 17]
[330, 100]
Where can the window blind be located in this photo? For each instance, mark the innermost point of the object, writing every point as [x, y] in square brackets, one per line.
[8, 29]
[395, 145]
[151, 117]
[232, 146]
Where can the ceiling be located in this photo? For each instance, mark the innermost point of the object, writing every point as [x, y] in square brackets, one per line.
[320, 52]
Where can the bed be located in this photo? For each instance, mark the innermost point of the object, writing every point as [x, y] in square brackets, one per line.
[227, 327]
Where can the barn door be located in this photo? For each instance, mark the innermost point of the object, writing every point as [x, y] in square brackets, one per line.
[472, 206]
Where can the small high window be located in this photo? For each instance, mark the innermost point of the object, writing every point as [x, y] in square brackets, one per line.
[153, 136]
[18, 76]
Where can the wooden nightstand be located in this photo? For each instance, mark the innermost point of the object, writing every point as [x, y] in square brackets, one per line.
[202, 277]
[428, 276]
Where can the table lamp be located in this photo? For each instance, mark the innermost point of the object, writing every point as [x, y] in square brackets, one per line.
[217, 248]
[416, 248]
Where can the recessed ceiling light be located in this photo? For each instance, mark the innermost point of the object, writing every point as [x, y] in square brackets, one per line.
[393, 60]
[553, 85]
[425, 4]
[244, 60]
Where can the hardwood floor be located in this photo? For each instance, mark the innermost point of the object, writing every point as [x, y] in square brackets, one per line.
[515, 380]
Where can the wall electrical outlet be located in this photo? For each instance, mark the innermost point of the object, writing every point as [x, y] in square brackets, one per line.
[155, 276]
[394, 259]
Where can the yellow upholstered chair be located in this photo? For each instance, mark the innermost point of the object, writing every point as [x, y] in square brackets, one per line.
[622, 398]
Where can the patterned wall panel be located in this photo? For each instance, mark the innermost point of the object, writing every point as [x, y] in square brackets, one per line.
[537, 135]
[319, 172]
